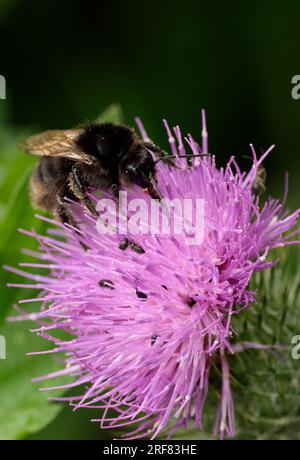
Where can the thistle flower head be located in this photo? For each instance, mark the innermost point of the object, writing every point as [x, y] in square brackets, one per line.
[145, 327]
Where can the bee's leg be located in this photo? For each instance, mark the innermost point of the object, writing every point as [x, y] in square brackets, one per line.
[78, 188]
[63, 214]
[114, 189]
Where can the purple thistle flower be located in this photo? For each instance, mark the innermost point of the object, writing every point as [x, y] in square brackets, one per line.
[145, 328]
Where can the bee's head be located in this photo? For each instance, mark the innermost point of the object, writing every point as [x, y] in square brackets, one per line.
[138, 167]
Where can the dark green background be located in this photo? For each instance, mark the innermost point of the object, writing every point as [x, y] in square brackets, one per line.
[65, 61]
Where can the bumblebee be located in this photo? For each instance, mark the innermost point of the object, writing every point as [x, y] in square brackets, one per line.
[103, 156]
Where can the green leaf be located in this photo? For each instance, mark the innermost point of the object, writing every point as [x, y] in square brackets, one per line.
[16, 213]
[23, 408]
[193, 434]
[112, 114]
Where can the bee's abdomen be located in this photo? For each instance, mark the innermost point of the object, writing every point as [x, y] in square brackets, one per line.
[49, 179]
[50, 170]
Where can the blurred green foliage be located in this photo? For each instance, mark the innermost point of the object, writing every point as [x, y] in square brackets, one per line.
[23, 409]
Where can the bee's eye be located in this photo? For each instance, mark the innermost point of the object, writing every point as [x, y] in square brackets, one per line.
[131, 169]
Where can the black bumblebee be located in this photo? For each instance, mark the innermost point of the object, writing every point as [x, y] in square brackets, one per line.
[104, 156]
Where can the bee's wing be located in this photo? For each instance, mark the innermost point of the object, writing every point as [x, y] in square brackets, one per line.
[56, 143]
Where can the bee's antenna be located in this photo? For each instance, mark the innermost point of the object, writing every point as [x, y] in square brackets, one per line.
[251, 158]
[170, 157]
[247, 156]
